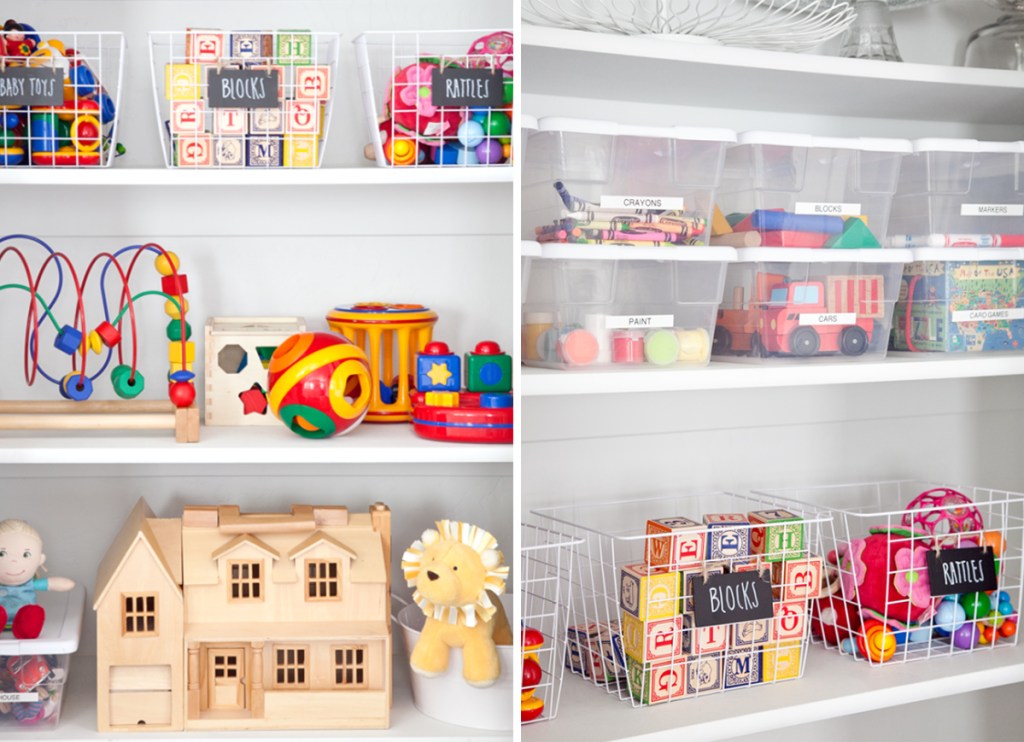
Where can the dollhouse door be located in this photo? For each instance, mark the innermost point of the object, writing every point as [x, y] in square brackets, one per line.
[226, 678]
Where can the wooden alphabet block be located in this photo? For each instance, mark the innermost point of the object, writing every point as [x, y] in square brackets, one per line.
[181, 82]
[294, 48]
[230, 122]
[266, 121]
[187, 116]
[301, 150]
[728, 535]
[742, 669]
[194, 150]
[247, 45]
[595, 651]
[781, 662]
[302, 117]
[776, 534]
[229, 152]
[703, 639]
[263, 151]
[651, 683]
[649, 592]
[790, 620]
[687, 578]
[798, 579]
[203, 46]
[280, 76]
[704, 674]
[652, 640]
[313, 83]
[683, 546]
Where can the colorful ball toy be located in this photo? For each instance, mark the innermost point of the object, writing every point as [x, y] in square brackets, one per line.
[942, 511]
[319, 384]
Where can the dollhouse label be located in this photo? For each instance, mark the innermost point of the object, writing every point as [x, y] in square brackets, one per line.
[991, 209]
[229, 88]
[639, 321]
[969, 570]
[641, 202]
[31, 86]
[19, 697]
[826, 209]
[728, 598]
[458, 86]
[986, 315]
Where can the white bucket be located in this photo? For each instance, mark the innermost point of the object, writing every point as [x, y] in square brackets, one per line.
[451, 699]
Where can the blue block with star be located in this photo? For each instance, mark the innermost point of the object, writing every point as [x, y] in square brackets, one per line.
[438, 369]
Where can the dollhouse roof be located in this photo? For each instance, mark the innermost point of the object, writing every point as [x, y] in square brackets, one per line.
[242, 540]
[317, 538]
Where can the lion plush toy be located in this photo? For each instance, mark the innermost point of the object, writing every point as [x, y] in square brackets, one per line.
[452, 569]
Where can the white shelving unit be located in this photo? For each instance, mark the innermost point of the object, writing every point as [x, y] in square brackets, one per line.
[285, 242]
[605, 435]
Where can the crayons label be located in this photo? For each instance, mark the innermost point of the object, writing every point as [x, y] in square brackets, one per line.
[991, 209]
[18, 697]
[641, 202]
[987, 315]
[829, 318]
[826, 208]
[639, 321]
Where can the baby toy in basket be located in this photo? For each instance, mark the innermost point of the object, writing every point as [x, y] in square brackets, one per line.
[452, 569]
[21, 557]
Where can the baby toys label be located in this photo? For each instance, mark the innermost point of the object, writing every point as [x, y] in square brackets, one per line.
[969, 570]
[986, 315]
[831, 318]
[641, 202]
[457, 86]
[827, 209]
[18, 697]
[991, 209]
[728, 598]
[31, 86]
[230, 88]
[639, 321]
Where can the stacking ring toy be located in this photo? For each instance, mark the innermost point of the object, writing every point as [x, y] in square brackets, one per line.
[876, 641]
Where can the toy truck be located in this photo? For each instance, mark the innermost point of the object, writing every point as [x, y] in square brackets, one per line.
[737, 329]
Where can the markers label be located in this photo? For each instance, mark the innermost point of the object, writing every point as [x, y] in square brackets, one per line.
[955, 571]
[641, 202]
[31, 86]
[639, 321]
[986, 315]
[991, 209]
[728, 598]
[824, 208]
[834, 318]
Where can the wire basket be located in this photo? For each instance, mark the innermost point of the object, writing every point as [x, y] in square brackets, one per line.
[548, 560]
[244, 121]
[82, 130]
[882, 609]
[783, 25]
[633, 631]
[412, 122]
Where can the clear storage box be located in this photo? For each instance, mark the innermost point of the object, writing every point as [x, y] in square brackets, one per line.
[34, 672]
[597, 182]
[885, 603]
[961, 300]
[620, 306]
[803, 304]
[797, 190]
[960, 193]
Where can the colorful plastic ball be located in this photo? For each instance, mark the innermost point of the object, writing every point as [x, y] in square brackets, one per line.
[966, 636]
[976, 605]
[164, 261]
[941, 511]
[495, 123]
[12, 156]
[448, 154]
[181, 393]
[876, 641]
[849, 646]
[319, 384]
[922, 634]
[994, 619]
[471, 133]
[489, 152]
[10, 120]
[1005, 608]
[949, 617]
[1009, 628]
[467, 157]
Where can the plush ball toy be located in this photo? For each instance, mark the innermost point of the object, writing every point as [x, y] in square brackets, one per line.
[319, 384]
[452, 570]
[942, 511]
[887, 575]
[409, 105]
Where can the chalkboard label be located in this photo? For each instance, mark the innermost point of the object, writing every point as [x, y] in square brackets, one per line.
[31, 86]
[955, 571]
[458, 86]
[728, 598]
[231, 88]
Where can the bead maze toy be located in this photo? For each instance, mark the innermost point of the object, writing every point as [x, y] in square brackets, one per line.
[54, 108]
[77, 339]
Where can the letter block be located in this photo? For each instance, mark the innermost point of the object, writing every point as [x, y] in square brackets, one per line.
[777, 534]
[193, 150]
[704, 674]
[703, 639]
[595, 651]
[301, 150]
[313, 83]
[268, 68]
[203, 47]
[266, 121]
[229, 152]
[798, 579]
[182, 82]
[247, 45]
[649, 592]
[230, 121]
[751, 633]
[781, 662]
[294, 48]
[728, 535]
[790, 620]
[652, 640]
[187, 116]
[686, 582]
[302, 117]
[742, 669]
[651, 683]
[682, 548]
[262, 151]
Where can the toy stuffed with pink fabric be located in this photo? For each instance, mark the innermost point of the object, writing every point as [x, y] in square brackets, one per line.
[21, 559]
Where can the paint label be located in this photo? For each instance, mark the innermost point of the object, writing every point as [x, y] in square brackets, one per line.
[986, 315]
[31, 86]
[825, 208]
[991, 209]
[833, 318]
[639, 321]
[19, 697]
[641, 202]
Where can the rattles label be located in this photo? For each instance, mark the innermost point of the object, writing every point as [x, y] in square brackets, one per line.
[455, 87]
[642, 203]
[991, 209]
[967, 570]
[231, 88]
[31, 86]
[19, 697]
[728, 598]
[639, 321]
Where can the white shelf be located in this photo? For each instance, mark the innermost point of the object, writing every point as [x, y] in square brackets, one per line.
[560, 62]
[352, 176]
[78, 718]
[368, 444]
[718, 375]
[832, 686]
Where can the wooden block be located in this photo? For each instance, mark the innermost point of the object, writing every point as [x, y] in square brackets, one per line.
[798, 579]
[790, 620]
[750, 633]
[301, 150]
[728, 535]
[302, 117]
[247, 45]
[229, 151]
[264, 151]
[187, 116]
[704, 674]
[294, 48]
[656, 683]
[200, 516]
[203, 46]
[595, 651]
[742, 669]
[682, 548]
[703, 639]
[313, 83]
[719, 224]
[266, 121]
[686, 580]
[194, 150]
[280, 76]
[776, 534]
[230, 121]
[652, 640]
[181, 82]
[781, 662]
[186, 424]
[649, 592]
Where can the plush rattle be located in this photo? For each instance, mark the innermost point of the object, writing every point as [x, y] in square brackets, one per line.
[452, 570]
[21, 557]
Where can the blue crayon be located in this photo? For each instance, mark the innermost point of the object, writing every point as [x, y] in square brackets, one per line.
[784, 221]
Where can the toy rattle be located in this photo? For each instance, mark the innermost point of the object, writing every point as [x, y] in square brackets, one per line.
[531, 706]
[21, 558]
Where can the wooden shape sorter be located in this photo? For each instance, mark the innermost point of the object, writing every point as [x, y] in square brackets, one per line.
[237, 351]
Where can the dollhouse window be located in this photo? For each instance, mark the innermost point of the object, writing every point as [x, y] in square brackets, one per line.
[323, 579]
[350, 666]
[290, 667]
[245, 581]
[138, 614]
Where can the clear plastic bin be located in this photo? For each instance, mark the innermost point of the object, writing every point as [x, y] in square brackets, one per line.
[798, 304]
[961, 300]
[960, 193]
[34, 672]
[597, 182]
[616, 306]
[797, 190]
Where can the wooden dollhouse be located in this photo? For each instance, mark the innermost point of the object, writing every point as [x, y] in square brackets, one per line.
[229, 620]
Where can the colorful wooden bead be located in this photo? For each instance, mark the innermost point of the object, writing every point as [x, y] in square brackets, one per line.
[68, 340]
[108, 334]
[126, 384]
[174, 285]
[172, 310]
[76, 387]
[174, 330]
[164, 261]
[176, 355]
[181, 393]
